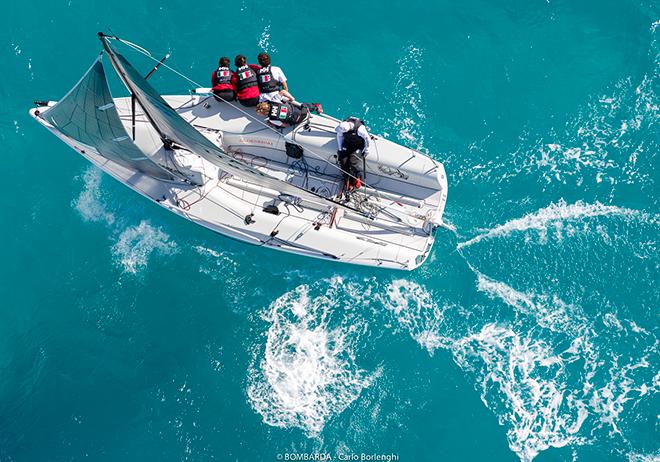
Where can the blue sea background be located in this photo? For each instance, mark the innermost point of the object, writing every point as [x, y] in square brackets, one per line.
[532, 332]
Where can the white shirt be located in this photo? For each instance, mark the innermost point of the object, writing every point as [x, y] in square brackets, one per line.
[346, 126]
[275, 96]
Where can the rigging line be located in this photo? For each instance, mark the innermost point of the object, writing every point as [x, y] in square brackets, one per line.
[224, 206]
[215, 130]
[135, 46]
[256, 201]
[197, 84]
[190, 105]
[275, 230]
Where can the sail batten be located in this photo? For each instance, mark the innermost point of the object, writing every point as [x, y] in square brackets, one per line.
[175, 130]
[88, 115]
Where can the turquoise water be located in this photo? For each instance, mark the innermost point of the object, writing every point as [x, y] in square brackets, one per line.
[127, 333]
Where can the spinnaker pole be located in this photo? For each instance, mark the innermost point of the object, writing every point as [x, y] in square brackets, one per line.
[156, 66]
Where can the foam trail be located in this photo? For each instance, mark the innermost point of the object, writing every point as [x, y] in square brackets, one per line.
[409, 114]
[553, 376]
[137, 243]
[531, 380]
[415, 310]
[222, 262]
[559, 212]
[449, 225]
[89, 202]
[306, 373]
[549, 312]
[637, 457]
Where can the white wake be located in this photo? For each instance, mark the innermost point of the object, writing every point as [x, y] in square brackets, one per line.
[137, 243]
[90, 203]
[554, 214]
[306, 373]
[134, 245]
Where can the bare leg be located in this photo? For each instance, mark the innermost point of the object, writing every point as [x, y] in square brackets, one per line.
[286, 95]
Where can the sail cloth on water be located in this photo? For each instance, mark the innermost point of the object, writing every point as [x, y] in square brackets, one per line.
[173, 129]
[88, 115]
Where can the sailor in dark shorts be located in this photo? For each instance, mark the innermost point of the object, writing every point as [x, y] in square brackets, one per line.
[353, 141]
[287, 113]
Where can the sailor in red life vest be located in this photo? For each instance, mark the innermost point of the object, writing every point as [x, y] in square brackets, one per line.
[272, 81]
[353, 141]
[221, 81]
[245, 83]
[284, 114]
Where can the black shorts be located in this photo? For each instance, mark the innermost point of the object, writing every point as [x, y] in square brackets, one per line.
[224, 95]
[351, 161]
[250, 102]
[304, 113]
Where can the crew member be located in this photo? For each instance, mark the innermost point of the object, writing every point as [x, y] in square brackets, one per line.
[245, 84]
[284, 114]
[272, 81]
[221, 81]
[353, 141]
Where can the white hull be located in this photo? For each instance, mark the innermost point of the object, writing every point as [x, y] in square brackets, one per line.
[407, 190]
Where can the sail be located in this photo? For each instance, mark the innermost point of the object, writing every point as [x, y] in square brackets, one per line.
[174, 129]
[88, 114]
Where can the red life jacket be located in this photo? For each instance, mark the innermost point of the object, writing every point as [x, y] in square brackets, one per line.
[221, 79]
[246, 83]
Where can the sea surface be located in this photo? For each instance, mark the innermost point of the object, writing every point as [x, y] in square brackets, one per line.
[531, 333]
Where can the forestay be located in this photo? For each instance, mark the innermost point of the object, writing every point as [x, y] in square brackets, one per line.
[88, 114]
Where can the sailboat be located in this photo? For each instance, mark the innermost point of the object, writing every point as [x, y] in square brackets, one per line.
[219, 165]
